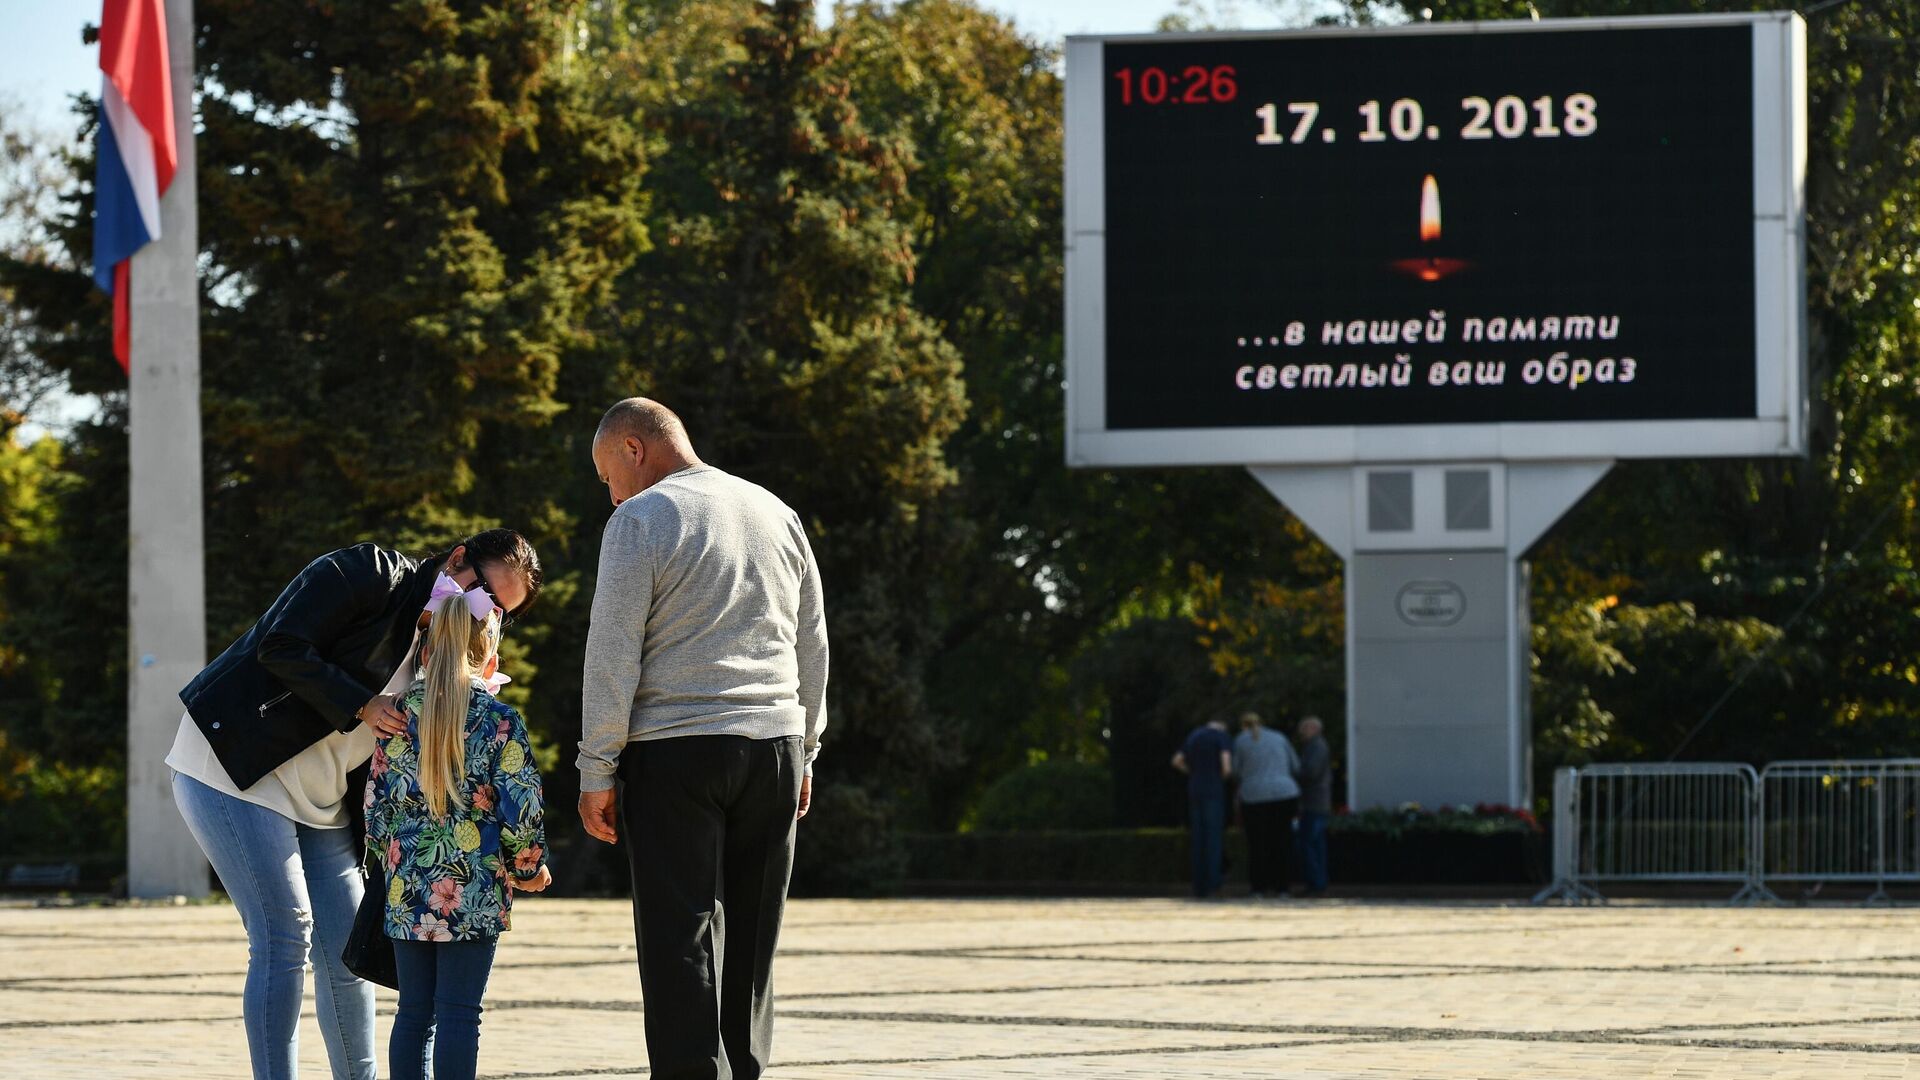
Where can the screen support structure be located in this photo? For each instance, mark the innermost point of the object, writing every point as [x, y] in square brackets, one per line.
[166, 586]
[1438, 649]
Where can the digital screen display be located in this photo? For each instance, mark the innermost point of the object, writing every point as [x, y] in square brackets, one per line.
[1429, 229]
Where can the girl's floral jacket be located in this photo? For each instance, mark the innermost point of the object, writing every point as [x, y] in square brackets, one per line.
[447, 878]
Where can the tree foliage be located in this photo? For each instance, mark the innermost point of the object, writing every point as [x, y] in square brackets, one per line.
[408, 214]
[777, 315]
[1049, 565]
[441, 236]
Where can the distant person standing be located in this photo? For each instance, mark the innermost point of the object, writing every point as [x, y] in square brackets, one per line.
[1207, 759]
[1316, 804]
[1269, 798]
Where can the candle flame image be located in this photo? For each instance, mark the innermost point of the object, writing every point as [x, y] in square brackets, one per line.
[1431, 266]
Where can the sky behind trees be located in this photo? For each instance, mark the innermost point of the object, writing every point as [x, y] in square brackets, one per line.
[45, 61]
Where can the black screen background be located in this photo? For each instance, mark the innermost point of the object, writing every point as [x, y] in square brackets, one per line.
[1212, 238]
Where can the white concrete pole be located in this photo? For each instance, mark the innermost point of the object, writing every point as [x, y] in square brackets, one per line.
[166, 583]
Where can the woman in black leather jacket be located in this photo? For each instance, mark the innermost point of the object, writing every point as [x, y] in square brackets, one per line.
[277, 731]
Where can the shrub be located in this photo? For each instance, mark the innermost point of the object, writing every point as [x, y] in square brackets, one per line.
[1049, 795]
[1451, 848]
[847, 846]
[1104, 858]
[54, 810]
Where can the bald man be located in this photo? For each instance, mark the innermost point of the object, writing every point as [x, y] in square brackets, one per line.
[704, 697]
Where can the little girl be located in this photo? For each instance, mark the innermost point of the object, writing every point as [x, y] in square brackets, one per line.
[454, 813]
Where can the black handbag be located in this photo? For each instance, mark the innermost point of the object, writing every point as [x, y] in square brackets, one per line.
[369, 951]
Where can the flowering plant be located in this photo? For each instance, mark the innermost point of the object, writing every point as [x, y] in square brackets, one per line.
[1484, 819]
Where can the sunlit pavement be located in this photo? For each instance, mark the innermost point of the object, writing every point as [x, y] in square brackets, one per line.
[1093, 988]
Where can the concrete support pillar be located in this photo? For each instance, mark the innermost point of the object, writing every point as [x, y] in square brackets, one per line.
[166, 605]
[1438, 709]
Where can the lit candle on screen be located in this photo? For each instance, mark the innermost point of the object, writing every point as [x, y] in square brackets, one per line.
[1431, 266]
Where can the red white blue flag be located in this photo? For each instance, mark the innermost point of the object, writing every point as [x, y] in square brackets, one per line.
[137, 154]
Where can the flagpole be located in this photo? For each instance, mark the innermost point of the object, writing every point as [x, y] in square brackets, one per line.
[166, 575]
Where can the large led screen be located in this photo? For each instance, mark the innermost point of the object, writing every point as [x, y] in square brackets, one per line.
[1419, 229]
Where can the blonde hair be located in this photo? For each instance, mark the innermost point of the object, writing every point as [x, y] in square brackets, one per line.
[457, 647]
[1250, 723]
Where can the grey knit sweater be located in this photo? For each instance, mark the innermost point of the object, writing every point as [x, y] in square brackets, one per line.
[707, 620]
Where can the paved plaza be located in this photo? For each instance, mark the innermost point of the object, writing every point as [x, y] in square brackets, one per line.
[1087, 988]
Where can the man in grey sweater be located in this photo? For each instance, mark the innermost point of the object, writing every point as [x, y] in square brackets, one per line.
[704, 697]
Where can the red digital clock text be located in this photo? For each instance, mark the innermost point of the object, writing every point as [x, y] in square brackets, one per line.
[1195, 85]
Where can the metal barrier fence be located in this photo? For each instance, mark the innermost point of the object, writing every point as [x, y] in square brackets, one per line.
[1793, 821]
[1841, 821]
[1664, 822]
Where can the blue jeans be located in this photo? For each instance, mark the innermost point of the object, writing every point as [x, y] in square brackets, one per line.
[1207, 822]
[1313, 851]
[441, 983]
[296, 889]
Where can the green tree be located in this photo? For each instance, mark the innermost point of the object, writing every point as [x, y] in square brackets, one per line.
[63, 636]
[62, 594]
[777, 317]
[32, 171]
[29, 471]
[59, 655]
[1048, 566]
[410, 216]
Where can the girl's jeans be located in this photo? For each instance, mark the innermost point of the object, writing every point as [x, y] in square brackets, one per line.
[296, 889]
[441, 983]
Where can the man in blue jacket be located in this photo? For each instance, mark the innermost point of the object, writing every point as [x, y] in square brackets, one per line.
[1207, 759]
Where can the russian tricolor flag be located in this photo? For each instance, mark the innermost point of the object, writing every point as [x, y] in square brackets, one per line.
[137, 153]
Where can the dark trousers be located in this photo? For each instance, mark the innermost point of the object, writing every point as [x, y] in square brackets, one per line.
[1269, 843]
[441, 983]
[1207, 824]
[709, 823]
[1313, 851]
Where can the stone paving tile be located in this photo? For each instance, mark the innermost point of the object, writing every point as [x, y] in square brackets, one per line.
[871, 976]
[1523, 1003]
[1875, 1031]
[1464, 1060]
[1862, 969]
[21, 1006]
[865, 1044]
[148, 960]
[96, 1048]
[1094, 988]
[1609, 944]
